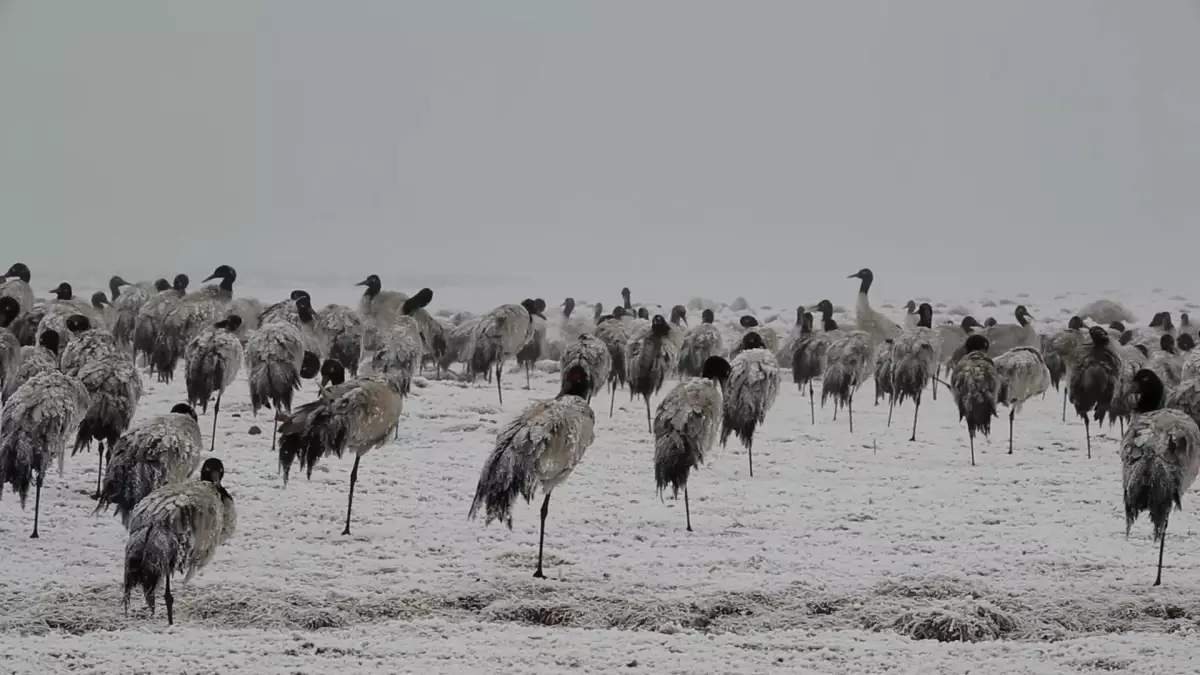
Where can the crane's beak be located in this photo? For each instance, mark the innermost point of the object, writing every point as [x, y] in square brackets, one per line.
[208, 278]
[364, 282]
[853, 276]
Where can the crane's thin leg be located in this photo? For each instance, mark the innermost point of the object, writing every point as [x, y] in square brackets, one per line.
[649, 426]
[1064, 404]
[916, 411]
[37, 505]
[542, 537]
[1162, 543]
[274, 430]
[750, 454]
[972, 448]
[613, 401]
[170, 603]
[216, 410]
[99, 469]
[1087, 431]
[1011, 414]
[527, 375]
[937, 372]
[891, 407]
[812, 403]
[499, 392]
[687, 510]
[850, 411]
[835, 408]
[350, 501]
[1121, 422]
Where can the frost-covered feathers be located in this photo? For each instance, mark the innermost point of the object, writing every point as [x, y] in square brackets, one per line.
[750, 390]
[1061, 349]
[883, 369]
[700, 343]
[15, 284]
[1160, 457]
[115, 387]
[151, 315]
[1006, 336]
[343, 330]
[650, 356]
[380, 306]
[615, 334]
[498, 335]
[686, 425]
[184, 320]
[400, 352]
[915, 356]
[541, 446]
[357, 415]
[848, 364]
[178, 528]
[10, 346]
[1025, 375]
[125, 308]
[35, 425]
[160, 450]
[590, 353]
[808, 360]
[953, 336]
[87, 344]
[34, 361]
[274, 354]
[1095, 376]
[977, 386]
[212, 361]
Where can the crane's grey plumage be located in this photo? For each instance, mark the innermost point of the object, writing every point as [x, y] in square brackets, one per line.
[542, 446]
[34, 361]
[275, 362]
[531, 352]
[848, 364]
[1094, 380]
[10, 345]
[787, 348]
[151, 314]
[1025, 375]
[88, 343]
[177, 529]
[400, 352]
[343, 329]
[115, 388]
[127, 301]
[377, 305]
[686, 425]
[1160, 457]
[187, 317]
[883, 374]
[812, 347]
[978, 388]
[748, 323]
[591, 354]
[614, 332]
[650, 356]
[1059, 354]
[877, 326]
[35, 425]
[15, 284]
[750, 391]
[700, 343]
[1006, 336]
[497, 337]
[160, 450]
[915, 356]
[359, 415]
[298, 311]
[211, 364]
[1166, 361]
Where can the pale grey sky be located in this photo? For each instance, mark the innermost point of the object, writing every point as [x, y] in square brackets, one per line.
[762, 147]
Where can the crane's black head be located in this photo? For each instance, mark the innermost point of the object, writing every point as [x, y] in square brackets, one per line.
[225, 273]
[911, 306]
[310, 366]
[332, 372]
[864, 274]
[297, 294]
[1117, 326]
[1075, 323]
[625, 292]
[304, 308]
[1186, 342]
[747, 321]
[707, 316]
[419, 300]
[100, 300]
[1150, 390]
[161, 284]
[1184, 319]
[643, 313]
[20, 271]
[568, 306]
[530, 306]
[976, 343]
[618, 312]
[1023, 315]
[184, 409]
[78, 323]
[598, 310]
[678, 314]
[716, 368]
[1125, 338]
[800, 315]
[1167, 343]
[989, 322]
[825, 307]
[115, 283]
[1167, 323]
[925, 312]
[752, 340]
[659, 326]
[1157, 320]
[213, 471]
[576, 382]
[50, 340]
[181, 283]
[230, 323]
[537, 302]
[969, 323]
[1099, 335]
[1143, 349]
[373, 284]
[63, 291]
[9, 309]
[806, 324]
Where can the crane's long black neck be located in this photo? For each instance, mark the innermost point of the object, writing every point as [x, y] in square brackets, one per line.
[114, 289]
[226, 284]
[373, 290]
[1152, 395]
[827, 322]
[865, 285]
[925, 320]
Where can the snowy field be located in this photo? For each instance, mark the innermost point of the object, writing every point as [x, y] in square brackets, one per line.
[839, 553]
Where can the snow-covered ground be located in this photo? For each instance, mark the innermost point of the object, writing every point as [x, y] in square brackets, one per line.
[838, 553]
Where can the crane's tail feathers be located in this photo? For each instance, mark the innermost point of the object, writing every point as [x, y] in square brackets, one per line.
[507, 473]
[1151, 485]
[346, 349]
[150, 555]
[674, 458]
[838, 384]
[311, 433]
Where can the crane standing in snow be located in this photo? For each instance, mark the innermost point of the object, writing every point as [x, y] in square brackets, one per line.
[542, 446]
[848, 364]
[162, 449]
[750, 391]
[686, 426]
[650, 356]
[915, 356]
[977, 387]
[1094, 379]
[591, 354]
[211, 363]
[1025, 375]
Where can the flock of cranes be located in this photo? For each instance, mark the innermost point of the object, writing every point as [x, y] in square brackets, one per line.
[69, 369]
